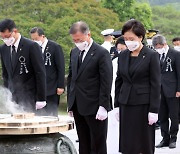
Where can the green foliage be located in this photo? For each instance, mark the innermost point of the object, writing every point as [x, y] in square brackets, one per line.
[128, 9]
[166, 20]
[56, 17]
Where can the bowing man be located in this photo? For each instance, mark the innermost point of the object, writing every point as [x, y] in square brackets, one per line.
[89, 87]
[22, 67]
[55, 69]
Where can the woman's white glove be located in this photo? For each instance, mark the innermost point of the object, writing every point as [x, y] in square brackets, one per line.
[116, 110]
[152, 118]
[101, 113]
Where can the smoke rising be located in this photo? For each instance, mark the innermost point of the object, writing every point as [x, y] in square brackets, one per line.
[7, 106]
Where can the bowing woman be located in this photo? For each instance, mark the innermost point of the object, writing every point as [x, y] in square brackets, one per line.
[137, 92]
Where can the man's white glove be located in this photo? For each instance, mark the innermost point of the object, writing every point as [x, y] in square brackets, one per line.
[116, 112]
[101, 113]
[152, 118]
[40, 104]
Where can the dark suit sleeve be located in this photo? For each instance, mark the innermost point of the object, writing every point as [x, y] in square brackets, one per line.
[105, 70]
[118, 84]
[39, 70]
[177, 65]
[59, 60]
[69, 77]
[155, 83]
[4, 71]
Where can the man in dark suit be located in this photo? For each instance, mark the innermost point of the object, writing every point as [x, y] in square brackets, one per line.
[89, 87]
[170, 91]
[22, 67]
[54, 64]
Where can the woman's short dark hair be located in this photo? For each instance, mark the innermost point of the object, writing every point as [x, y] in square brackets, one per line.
[135, 26]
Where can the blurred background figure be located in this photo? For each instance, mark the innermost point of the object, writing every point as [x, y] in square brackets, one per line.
[108, 39]
[113, 50]
[176, 43]
[170, 91]
[149, 34]
[55, 69]
[113, 125]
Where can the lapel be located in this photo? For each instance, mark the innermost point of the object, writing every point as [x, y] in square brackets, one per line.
[74, 61]
[140, 58]
[87, 58]
[19, 50]
[7, 58]
[126, 64]
[164, 63]
[46, 50]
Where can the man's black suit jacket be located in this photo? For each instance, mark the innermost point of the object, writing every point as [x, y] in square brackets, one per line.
[21, 83]
[170, 70]
[143, 87]
[90, 86]
[54, 64]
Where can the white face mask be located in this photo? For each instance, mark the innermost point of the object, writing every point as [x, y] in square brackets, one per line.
[132, 45]
[118, 51]
[9, 41]
[149, 42]
[82, 45]
[161, 50]
[177, 48]
[39, 42]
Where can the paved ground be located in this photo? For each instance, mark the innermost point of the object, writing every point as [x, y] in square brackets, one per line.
[73, 136]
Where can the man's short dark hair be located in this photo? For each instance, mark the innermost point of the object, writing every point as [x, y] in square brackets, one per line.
[176, 39]
[79, 26]
[37, 30]
[7, 24]
[135, 26]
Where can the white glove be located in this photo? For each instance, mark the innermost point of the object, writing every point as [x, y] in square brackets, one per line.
[40, 104]
[116, 110]
[70, 113]
[101, 113]
[152, 118]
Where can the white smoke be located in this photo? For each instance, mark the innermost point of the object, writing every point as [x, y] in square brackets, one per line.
[7, 106]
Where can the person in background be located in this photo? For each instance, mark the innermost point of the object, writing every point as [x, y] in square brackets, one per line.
[170, 91]
[108, 38]
[137, 92]
[120, 44]
[176, 43]
[23, 68]
[55, 70]
[88, 89]
[149, 34]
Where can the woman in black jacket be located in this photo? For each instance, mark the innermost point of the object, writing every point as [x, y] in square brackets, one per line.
[137, 92]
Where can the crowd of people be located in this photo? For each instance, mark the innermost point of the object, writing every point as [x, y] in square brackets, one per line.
[139, 82]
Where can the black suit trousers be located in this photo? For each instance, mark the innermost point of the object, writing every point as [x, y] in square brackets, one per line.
[92, 133]
[169, 108]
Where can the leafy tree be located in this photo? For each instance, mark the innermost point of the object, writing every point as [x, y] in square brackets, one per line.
[128, 9]
[56, 17]
[166, 20]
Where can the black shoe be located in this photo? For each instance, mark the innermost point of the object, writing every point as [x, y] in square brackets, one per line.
[162, 144]
[172, 145]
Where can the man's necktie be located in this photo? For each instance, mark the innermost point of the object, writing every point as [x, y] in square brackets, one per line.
[80, 58]
[13, 56]
[162, 58]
